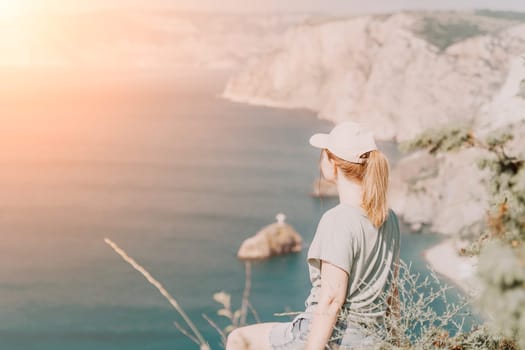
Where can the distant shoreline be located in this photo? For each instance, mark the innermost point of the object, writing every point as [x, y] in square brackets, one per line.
[444, 259]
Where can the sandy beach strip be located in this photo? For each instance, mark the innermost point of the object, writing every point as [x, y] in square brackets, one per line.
[446, 261]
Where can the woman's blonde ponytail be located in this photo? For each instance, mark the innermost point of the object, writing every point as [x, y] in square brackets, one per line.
[375, 187]
[373, 175]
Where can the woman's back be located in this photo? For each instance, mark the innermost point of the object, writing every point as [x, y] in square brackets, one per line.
[353, 251]
[346, 238]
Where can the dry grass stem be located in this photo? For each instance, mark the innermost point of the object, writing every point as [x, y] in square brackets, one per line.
[162, 290]
[246, 293]
[216, 327]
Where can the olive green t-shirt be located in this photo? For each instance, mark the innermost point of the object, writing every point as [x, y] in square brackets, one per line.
[346, 238]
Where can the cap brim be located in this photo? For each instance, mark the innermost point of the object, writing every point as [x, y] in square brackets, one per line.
[319, 140]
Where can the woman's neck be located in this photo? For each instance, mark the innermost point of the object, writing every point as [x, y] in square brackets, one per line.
[350, 192]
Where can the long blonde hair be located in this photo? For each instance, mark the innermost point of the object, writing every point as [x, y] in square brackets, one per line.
[373, 175]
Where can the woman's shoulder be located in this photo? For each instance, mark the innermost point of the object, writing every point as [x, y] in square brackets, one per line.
[343, 210]
[343, 217]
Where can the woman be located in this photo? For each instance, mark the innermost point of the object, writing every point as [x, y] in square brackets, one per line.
[352, 258]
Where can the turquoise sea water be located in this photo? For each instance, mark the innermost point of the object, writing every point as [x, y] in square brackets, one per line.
[176, 177]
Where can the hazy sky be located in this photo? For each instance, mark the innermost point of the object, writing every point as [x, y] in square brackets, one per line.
[335, 6]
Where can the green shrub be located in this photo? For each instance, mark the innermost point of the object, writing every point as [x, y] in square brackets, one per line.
[443, 34]
[501, 242]
[512, 15]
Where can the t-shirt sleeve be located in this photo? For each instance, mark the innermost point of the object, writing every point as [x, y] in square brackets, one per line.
[397, 246]
[333, 242]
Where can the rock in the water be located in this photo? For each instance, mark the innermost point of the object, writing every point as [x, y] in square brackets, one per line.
[324, 188]
[274, 239]
[416, 226]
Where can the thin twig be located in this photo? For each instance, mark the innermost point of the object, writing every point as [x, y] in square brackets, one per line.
[246, 293]
[286, 313]
[215, 326]
[161, 289]
[185, 332]
[254, 313]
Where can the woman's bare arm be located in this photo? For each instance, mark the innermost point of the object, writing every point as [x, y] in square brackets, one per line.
[334, 284]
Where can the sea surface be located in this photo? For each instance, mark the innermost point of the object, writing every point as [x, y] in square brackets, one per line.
[170, 172]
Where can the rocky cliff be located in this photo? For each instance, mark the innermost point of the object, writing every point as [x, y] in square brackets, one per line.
[447, 191]
[400, 75]
[397, 74]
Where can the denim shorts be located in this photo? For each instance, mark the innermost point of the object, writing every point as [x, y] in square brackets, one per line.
[292, 336]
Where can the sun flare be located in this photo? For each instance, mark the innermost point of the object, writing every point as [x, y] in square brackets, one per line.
[10, 7]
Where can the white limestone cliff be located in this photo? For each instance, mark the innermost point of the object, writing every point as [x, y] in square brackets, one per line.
[380, 72]
[447, 191]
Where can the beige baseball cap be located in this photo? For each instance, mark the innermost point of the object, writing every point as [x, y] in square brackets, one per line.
[347, 140]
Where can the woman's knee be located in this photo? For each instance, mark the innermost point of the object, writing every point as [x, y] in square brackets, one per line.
[235, 340]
